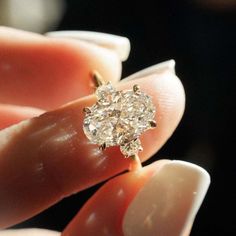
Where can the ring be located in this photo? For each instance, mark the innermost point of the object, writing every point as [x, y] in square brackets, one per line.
[118, 118]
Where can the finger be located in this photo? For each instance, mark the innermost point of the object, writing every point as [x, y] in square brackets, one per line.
[50, 71]
[29, 232]
[50, 154]
[120, 45]
[161, 199]
[11, 114]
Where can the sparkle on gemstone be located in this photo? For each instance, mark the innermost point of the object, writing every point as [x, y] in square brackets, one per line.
[131, 148]
[119, 118]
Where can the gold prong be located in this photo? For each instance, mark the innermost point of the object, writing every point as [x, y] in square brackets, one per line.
[133, 157]
[140, 149]
[86, 110]
[97, 78]
[153, 123]
[102, 147]
[135, 165]
[136, 88]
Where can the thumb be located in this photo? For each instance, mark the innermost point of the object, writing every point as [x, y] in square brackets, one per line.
[160, 199]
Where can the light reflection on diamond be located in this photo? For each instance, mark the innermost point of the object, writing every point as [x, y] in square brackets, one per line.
[119, 118]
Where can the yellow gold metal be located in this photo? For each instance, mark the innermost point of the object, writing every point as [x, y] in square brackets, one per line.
[102, 147]
[140, 149]
[135, 164]
[97, 78]
[86, 110]
[136, 88]
[153, 123]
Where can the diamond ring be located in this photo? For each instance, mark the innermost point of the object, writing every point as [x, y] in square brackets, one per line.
[118, 118]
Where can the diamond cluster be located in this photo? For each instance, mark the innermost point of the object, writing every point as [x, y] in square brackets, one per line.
[118, 118]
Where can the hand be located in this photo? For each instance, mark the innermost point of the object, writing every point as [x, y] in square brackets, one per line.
[47, 158]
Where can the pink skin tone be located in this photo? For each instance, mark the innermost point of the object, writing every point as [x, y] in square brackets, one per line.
[50, 153]
[13, 114]
[117, 194]
[54, 71]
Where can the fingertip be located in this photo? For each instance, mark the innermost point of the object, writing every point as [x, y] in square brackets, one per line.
[172, 196]
[160, 199]
[168, 96]
[103, 213]
[51, 71]
[118, 44]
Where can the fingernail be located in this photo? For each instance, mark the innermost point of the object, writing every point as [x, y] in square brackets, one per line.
[29, 232]
[119, 44]
[155, 69]
[169, 202]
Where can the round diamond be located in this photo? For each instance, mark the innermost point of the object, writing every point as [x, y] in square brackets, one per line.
[104, 93]
[131, 148]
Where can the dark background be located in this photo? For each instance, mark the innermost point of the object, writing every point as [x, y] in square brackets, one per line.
[201, 38]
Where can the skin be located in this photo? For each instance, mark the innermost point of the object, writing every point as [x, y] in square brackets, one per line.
[34, 157]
